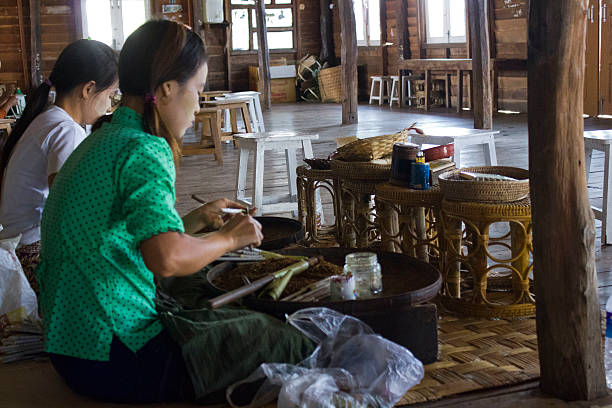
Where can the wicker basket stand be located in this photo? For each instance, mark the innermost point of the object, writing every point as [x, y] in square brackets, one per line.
[309, 183]
[409, 221]
[485, 272]
[356, 187]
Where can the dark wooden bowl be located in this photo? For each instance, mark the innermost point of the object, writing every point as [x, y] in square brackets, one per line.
[280, 232]
[398, 313]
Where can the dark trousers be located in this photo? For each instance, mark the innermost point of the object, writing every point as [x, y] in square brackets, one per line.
[156, 373]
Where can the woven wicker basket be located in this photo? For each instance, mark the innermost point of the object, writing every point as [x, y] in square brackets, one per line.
[372, 148]
[361, 172]
[455, 188]
[330, 84]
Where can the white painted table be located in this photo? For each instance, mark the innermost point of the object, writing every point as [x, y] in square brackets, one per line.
[254, 108]
[462, 138]
[601, 140]
[258, 143]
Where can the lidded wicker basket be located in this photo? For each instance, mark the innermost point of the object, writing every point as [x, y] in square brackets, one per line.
[371, 148]
[456, 188]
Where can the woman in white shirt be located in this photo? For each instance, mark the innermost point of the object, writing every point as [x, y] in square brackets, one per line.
[84, 78]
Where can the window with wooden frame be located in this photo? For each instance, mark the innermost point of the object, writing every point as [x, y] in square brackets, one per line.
[367, 22]
[280, 24]
[112, 21]
[444, 21]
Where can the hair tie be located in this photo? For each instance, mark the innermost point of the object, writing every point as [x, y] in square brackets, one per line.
[48, 82]
[150, 98]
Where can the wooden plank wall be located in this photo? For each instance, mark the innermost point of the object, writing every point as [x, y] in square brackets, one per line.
[509, 47]
[57, 30]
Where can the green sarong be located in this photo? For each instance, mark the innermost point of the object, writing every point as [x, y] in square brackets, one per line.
[223, 346]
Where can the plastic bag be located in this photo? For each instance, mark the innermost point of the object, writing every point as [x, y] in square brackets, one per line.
[351, 367]
[17, 299]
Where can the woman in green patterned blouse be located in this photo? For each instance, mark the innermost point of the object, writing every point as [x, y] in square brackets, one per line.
[110, 226]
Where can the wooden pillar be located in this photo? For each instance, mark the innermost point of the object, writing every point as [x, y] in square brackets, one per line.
[35, 58]
[264, 54]
[567, 309]
[349, 62]
[228, 44]
[403, 43]
[198, 23]
[481, 64]
[328, 52]
[383, 40]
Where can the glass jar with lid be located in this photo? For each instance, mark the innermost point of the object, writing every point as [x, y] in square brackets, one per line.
[366, 269]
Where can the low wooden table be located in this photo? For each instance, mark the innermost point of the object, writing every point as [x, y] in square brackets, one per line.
[461, 137]
[601, 140]
[455, 65]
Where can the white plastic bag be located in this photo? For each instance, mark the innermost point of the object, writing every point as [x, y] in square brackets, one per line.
[17, 298]
[351, 367]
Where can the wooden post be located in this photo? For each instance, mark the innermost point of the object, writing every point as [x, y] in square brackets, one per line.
[198, 15]
[403, 43]
[383, 41]
[481, 64]
[328, 52]
[228, 44]
[35, 57]
[349, 62]
[567, 309]
[23, 50]
[264, 54]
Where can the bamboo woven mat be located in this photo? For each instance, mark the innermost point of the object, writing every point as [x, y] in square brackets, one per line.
[476, 354]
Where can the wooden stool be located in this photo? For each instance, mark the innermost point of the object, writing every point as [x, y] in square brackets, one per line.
[601, 140]
[409, 221]
[394, 96]
[234, 106]
[211, 117]
[206, 96]
[309, 183]
[257, 119]
[258, 143]
[382, 96]
[470, 221]
[356, 187]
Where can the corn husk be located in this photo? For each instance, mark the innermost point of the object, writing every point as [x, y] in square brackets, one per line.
[275, 289]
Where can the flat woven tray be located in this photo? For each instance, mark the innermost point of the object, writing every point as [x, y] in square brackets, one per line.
[361, 171]
[454, 188]
[476, 354]
[371, 148]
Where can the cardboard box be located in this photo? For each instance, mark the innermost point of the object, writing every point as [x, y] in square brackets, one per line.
[282, 89]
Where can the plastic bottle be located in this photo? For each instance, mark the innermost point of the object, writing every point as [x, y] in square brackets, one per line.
[608, 345]
[21, 102]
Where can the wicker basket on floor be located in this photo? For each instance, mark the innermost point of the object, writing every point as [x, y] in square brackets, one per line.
[330, 84]
[496, 191]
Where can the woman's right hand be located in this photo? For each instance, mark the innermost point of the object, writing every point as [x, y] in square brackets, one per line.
[243, 230]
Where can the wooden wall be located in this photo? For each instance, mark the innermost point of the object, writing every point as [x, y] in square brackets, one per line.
[58, 29]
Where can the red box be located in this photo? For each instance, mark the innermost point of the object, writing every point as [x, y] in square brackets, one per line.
[439, 152]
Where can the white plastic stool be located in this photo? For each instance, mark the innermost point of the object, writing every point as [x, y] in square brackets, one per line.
[257, 118]
[406, 99]
[394, 95]
[258, 143]
[601, 140]
[382, 96]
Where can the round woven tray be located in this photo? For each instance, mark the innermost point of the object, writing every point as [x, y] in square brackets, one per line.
[361, 171]
[408, 196]
[474, 211]
[498, 191]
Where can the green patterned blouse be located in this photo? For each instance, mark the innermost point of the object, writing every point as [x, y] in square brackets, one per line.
[114, 191]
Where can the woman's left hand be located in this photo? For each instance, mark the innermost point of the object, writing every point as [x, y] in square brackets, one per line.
[209, 216]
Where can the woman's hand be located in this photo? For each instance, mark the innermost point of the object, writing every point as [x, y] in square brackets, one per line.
[209, 216]
[243, 230]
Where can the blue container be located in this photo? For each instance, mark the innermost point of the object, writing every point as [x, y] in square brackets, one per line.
[419, 176]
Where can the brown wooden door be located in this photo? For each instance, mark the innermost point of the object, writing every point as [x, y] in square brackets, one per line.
[605, 89]
[591, 74]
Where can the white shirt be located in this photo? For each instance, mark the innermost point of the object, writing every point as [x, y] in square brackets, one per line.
[41, 151]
